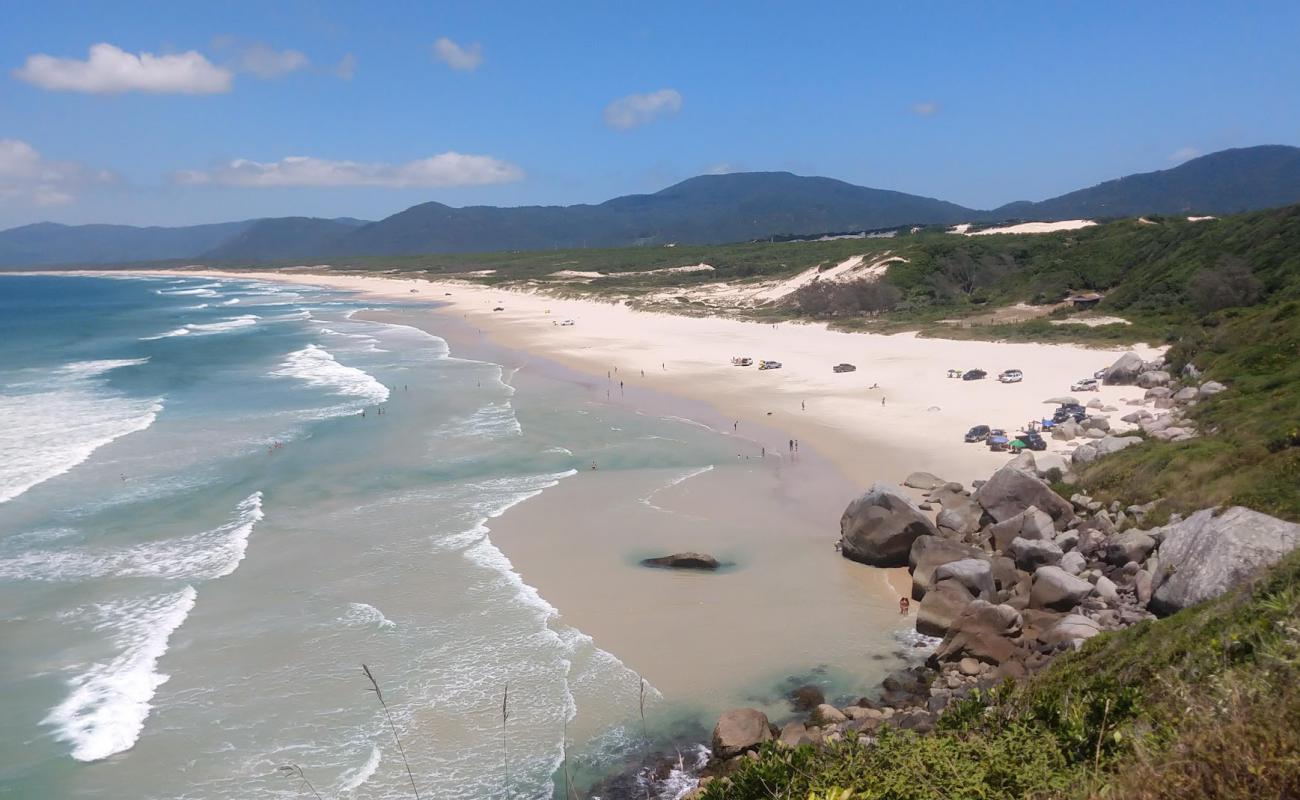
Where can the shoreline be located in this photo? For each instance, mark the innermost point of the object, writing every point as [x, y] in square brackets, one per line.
[896, 414]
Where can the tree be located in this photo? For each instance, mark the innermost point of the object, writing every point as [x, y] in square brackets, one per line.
[1229, 283]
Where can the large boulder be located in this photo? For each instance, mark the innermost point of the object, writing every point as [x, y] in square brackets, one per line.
[1210, 389]
[1113, 444]
[699, 561]
[1073, 628]
[1125, 370]
[976, 574]
[879, 527]
[1129, 546]
[960, 517]
[1045, 462]
[1030, 554]
[1009, 492]
[1153, 378]
[983, 631]
[1028, 524]
[941, 606]
[1066, 431]
[1186, 394]
[1206, 554]
[738, 730]
[1057, 589]
[924, 481]
[929, 553]
[1084, 454]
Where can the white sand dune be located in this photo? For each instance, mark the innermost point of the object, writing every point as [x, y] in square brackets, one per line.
[1036, 227]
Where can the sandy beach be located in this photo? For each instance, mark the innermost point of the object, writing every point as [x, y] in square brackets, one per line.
[898, 412]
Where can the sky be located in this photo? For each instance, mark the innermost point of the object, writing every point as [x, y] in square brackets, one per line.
[166, 113]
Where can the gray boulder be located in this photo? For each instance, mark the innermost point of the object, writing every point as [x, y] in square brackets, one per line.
[1084, 454]
[1095, 423]
[1125, 370]
[1129, 546]
[1030, 554]
[1074, 628]
[1063, 400]
[738, 730]
[924, 481]
[1205, 555]
[1066, 431]
[1073, 562]
[1113, 444]
[984, 631]
[1185, 395]
[1045, 462]
[1210, 389]
[961, 515]
[941, 606]
[1057, 589]
[1028, 524]
[976, 574]
[697, 561]
[1153, 378]
[928, 553]
[879, 527]
[1010, 492]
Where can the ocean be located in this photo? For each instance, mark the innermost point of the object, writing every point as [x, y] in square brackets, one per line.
[218, 498]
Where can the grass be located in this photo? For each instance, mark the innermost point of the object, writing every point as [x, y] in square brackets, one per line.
[1205, 704]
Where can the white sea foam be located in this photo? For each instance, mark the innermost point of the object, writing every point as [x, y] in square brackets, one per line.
[201, 556]
[193, 291]
[680, 479]
[105, 712]
[208, 328]
[62, 420]
[364, 615]
[199, 307]
[492, 421]
[355, 777]
[232, 301]
[317, 367]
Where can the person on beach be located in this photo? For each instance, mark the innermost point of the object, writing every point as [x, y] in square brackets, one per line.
[593, 465]
[735, 426]
[764, 455]
[904, 605]
[803, 406]
[792, 445]
[882, 401]
[620, 387]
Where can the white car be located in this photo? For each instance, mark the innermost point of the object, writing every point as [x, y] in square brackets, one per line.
[769, 365]
[1086, 385]
[1011, 376]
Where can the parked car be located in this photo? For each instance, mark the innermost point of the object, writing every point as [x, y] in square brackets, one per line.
[1101, 373]
[741, 361]
[769, 365]
[567, 323]
[499, 308]
[978, 433]
[998, 440]
[1032, 440]
[974, 375]
[1085, 385]
[1011, 376]
[1074, 411]
[844, 368]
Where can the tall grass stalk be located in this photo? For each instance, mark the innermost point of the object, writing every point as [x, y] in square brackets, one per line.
[374, 687]
[295, 771]
[505, 744]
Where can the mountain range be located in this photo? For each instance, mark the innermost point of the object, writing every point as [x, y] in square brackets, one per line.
[707, 209]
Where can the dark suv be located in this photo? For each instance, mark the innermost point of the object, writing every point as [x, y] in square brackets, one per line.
[1067, 412]
[978, 433]
[974, 375]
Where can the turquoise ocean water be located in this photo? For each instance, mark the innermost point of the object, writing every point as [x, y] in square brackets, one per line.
[202, 538]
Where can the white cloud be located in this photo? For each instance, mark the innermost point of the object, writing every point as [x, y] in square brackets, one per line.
[466, 58]
[638, 109]
[926, 109]
[347, 67]
[26, 177]
[266, 62]
[109, 70]
[1183, 154]
[443, 170]
[723, 168]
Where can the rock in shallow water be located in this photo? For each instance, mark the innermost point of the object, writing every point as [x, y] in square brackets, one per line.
[699, 561]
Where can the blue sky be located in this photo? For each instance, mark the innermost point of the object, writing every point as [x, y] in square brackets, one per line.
[546, 103]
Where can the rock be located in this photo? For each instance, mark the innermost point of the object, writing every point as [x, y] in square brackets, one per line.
[1024, 461]
[738, 730]
[970, 667]
[1095, 424]
[1124, 371]
[1045, 462]
[984, 631]
[1063, 400]
[1158, 393]
[1105, 589]
[806, 698]
[1185, 395]
[827, 714]
[1143, 587]
[1153, 378]
[1129, 546]
[976, 574]
[1073, 628]
[1066, 431]
[1094, 403]
[1084, 454]
[1113, 444]
[1030, 554]
[1005, 574]
[1190, 371]
[794, 734]
[1094, 433]
[1210, 389]
[1029, 524]
[929, 553]
[960, 516]
[1057, 589]
[924, 481]
[1073, 562]
[1205, 555]
[879, 527]
[699, 561]
[1010, 492]
[1136, 417]
[941, 606]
